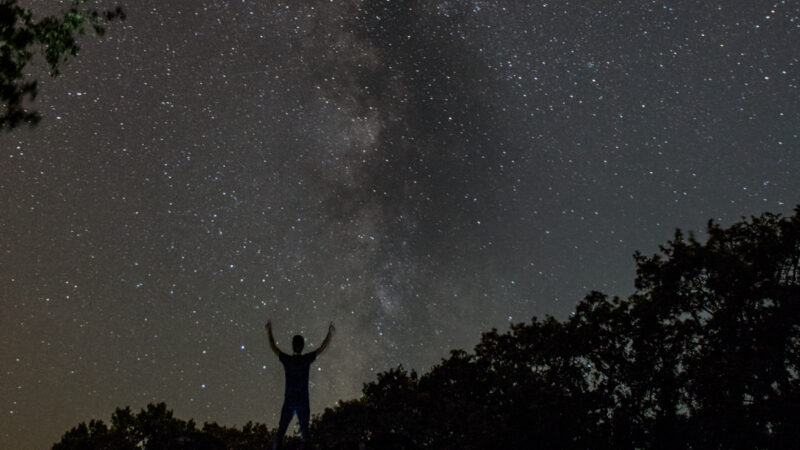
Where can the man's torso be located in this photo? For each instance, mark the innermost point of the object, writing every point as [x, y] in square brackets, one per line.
[296, 368]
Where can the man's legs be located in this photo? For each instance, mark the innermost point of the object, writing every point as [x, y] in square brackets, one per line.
[286, 416]
[303, 416]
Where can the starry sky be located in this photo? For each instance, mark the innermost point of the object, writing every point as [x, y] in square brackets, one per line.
[416, 172]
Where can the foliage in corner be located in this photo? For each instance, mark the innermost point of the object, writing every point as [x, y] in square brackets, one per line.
[54, 37]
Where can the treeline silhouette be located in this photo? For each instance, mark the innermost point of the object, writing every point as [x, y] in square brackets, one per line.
[705, 354]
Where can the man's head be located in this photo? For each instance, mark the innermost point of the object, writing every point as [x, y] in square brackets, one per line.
[297, 343]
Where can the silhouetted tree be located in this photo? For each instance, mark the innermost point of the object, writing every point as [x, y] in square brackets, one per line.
[384, 414]
[250, 437]
[705, 354]
[94, 436]
[54, 37]
[153, 428]
[730, 311]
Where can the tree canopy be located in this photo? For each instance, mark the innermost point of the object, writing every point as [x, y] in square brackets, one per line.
[705, 354]
[155, 428]
[22, 37]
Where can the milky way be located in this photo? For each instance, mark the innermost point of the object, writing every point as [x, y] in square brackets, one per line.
[415, 172]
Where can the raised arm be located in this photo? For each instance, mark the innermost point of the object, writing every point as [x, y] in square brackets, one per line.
[272, 344]
[327, 340]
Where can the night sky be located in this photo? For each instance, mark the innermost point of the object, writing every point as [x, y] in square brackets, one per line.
[415, 172]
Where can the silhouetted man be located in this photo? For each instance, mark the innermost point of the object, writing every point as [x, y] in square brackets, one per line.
[296, 368]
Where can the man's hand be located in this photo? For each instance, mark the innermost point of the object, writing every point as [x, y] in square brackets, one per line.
[327, 340]
[272, 344]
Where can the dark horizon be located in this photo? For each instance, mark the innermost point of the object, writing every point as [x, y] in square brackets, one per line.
[704, 355]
